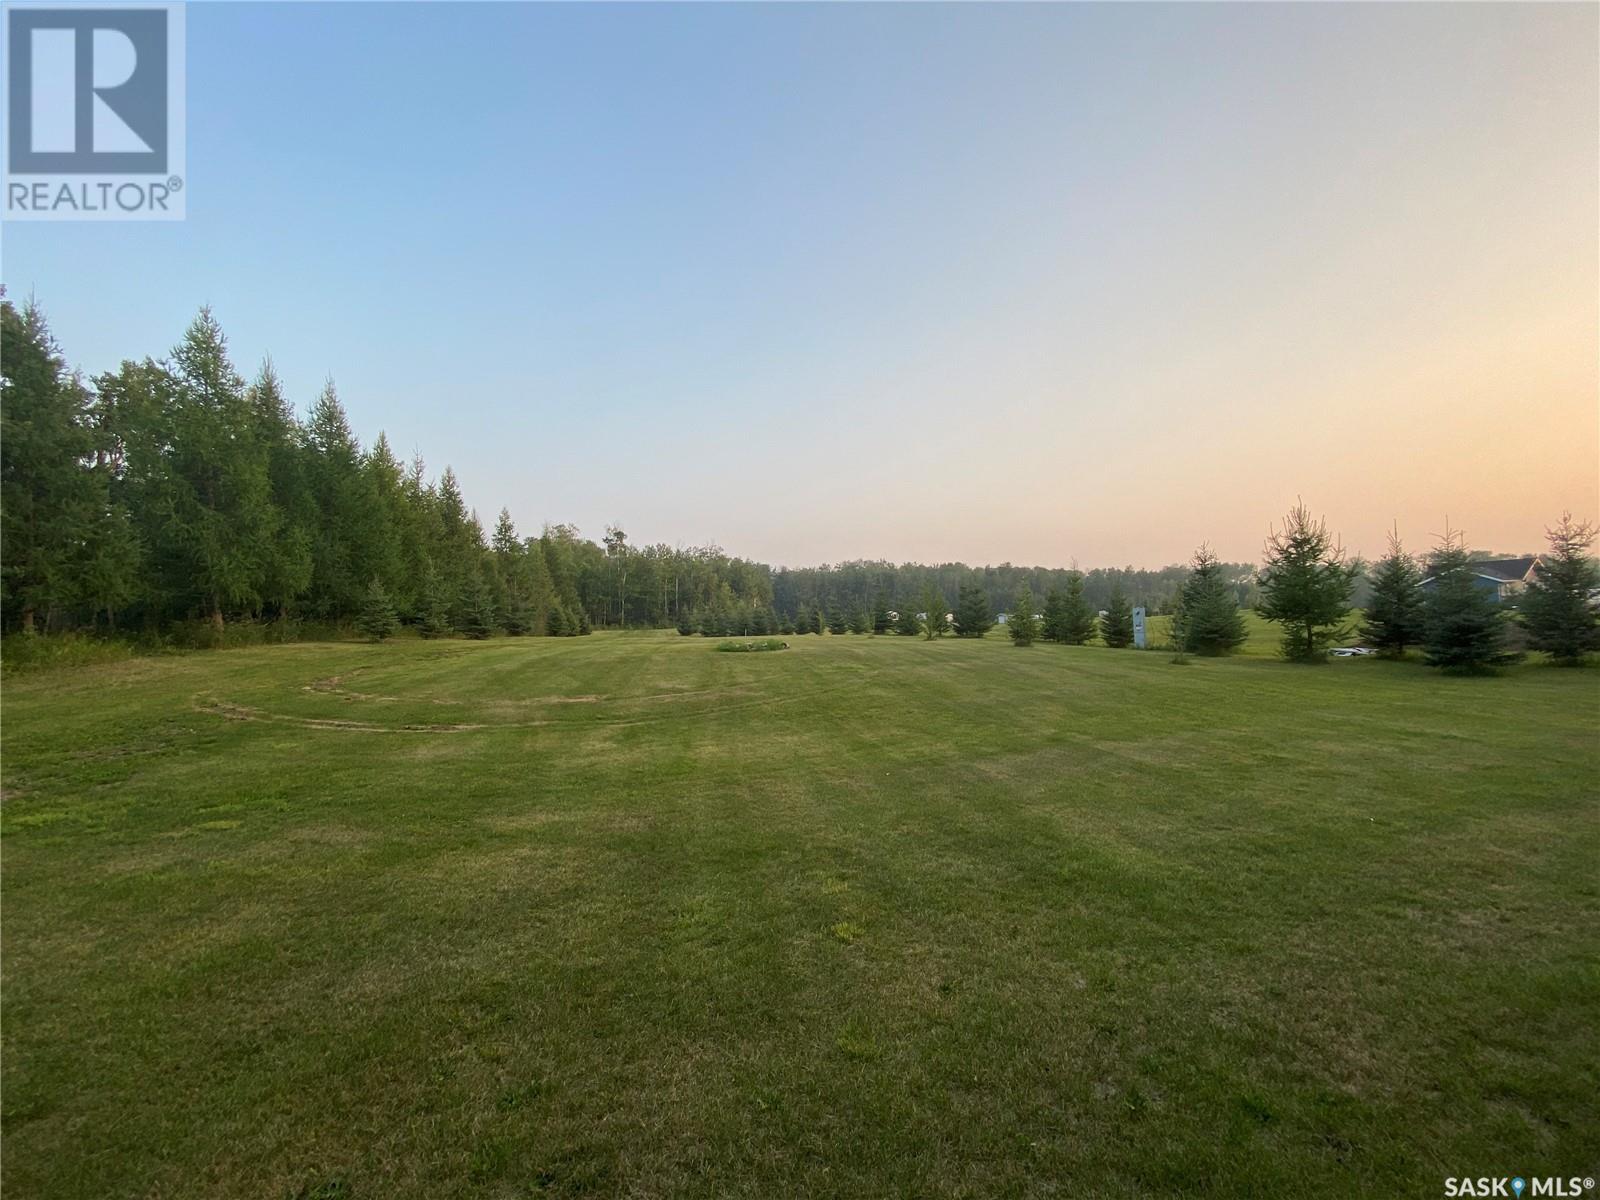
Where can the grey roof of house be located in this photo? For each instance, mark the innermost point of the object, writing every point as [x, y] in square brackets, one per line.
[1506, 568]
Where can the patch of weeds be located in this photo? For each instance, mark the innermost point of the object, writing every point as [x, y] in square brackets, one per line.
[579, 1169]
[848, 931]
[36, 820]
[1256, 1109]
[221, 824]
[42, 652]
[327, 1189]
[516, 1098]
[752, 647]
[856, 1045]
[488, 1161]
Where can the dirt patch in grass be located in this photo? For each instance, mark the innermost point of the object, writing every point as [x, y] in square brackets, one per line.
[242, 712]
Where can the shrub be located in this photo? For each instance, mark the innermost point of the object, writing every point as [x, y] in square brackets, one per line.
[20, 653]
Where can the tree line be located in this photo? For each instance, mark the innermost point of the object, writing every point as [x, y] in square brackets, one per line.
[172, 492]
[1306, 587]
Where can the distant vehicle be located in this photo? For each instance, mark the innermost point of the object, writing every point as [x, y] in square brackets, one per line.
[1350, 651]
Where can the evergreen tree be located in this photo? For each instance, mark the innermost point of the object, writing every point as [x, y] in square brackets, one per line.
[1464, 626]
[288, 558]
[58, 523]
[786, 626]
[972, 616]
[816, 620]
[518, 619]
[1116, 627]
[475, 617]
[880, 613]
[1305, 586]
[860, 620]
[1080, 620]
[558, 623]
[802, 621]
[377, 619]
[584, 628]
[1208, 620]
[1394, 615]
[1054, 626]
[836, 621]
[1560, 605]
[434, 616]
[1023, 625]
[686, 623]
[906, 624]
[209, 483]
[344, 549]
[112, 558]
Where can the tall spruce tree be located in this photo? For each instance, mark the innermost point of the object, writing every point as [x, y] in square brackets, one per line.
[1023, 624]
[1116, 627]
[1464, 623]
[1394, 616]
[906, 623]
[880, 613]
[385, 552]
[217, 488]
[1561, 607]
[288, 557]
[1054, 626]
[972, 616]
[1305, 586]
[1079, 625]
[56, 518]
[836, 621]
[1208, 620]
[342, 548]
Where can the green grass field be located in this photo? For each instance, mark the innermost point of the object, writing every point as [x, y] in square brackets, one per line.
[868, 917]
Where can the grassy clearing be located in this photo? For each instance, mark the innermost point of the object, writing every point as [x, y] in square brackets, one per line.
[875, 916]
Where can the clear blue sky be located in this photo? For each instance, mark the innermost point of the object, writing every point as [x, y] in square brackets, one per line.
[1037, 283]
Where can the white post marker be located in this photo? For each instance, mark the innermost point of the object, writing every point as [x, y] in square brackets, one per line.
[1138, 627]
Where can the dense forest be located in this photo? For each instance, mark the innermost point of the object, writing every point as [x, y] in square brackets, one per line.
[173, 494]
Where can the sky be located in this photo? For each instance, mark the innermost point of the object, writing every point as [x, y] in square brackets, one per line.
[1047, 284]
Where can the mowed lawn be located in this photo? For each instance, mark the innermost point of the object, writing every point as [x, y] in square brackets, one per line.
[866, 917]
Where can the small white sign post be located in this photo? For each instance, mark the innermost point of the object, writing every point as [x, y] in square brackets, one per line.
[1138, 627]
